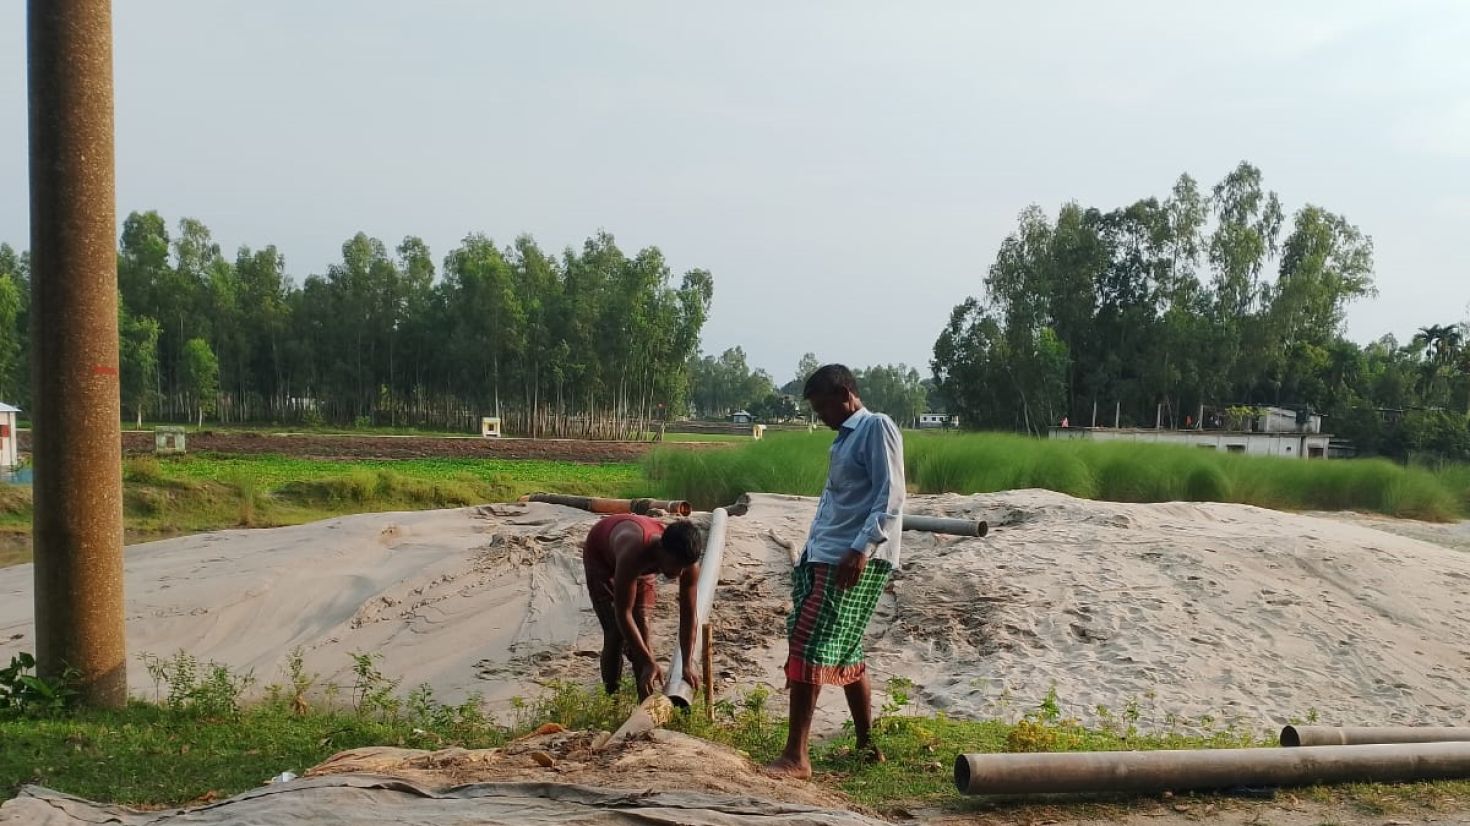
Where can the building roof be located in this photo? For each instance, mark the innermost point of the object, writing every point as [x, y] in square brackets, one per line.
[740, 413]
[6, 408]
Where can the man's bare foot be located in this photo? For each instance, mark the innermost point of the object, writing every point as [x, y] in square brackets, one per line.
[870, 754]
[785, 768]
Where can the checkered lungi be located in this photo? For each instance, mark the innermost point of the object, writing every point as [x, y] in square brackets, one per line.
[826, 625]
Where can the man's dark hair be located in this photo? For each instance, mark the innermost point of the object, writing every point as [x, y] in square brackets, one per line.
[828, 380]
[684, 541]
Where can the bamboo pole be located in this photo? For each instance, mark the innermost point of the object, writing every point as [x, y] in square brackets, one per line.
[709, 673]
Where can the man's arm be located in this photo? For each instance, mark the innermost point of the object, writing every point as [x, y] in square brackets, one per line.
[689, 622]
[883, 449]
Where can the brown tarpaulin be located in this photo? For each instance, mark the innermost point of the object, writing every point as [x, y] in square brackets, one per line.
[358, 800]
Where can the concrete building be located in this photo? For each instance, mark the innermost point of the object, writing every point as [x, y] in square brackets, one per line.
[933, 421]
[9, 449]
[1286, 420]
[741, 417]
[1284, 445]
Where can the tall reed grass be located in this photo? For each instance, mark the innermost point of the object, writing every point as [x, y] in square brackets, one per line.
[1121, 472]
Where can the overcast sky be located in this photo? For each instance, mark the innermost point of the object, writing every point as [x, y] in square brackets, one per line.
[846, 170]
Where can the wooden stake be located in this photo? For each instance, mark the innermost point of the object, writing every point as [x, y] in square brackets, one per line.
[709, 673]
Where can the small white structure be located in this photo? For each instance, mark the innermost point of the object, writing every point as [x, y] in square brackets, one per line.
[490, 427]
[9, 450]
[933, 421]
[757, 431]
[1285, 445]
[1286, 420]
[742, 417]
[169, 441]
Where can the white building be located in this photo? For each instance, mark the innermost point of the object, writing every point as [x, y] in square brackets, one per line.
[9, 449]
[1286, 420]
[931, 421]
[1285, 445]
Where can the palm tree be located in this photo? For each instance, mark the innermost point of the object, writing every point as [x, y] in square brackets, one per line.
[1439, 343]
[1442, 348]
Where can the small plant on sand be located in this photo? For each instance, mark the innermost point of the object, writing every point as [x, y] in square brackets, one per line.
[1050, 708]
[898, 695]
[372, 693]
[299, 682]
[208, 689]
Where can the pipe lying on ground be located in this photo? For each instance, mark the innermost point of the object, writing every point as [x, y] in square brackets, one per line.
[709, 576]
[597, 504]
[1205, 769]
[1293, 736]
[939, 524]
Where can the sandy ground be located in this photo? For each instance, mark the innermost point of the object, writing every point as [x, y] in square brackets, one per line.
[1183, 611]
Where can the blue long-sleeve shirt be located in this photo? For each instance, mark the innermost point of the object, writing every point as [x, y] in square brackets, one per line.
[862, 506]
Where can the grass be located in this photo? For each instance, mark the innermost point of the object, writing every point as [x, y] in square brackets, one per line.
[983, 462]
[734, 438]
[197, 741]
[187, 494]
[202, 492]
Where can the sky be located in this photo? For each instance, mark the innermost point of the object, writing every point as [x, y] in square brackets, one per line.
[846, 170]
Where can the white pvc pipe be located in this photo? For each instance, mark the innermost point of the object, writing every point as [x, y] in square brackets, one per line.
[709, 576]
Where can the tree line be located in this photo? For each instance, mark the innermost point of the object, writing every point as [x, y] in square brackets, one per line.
[1137, 314]
[592, 342]
[726, 383]
[1153, 310]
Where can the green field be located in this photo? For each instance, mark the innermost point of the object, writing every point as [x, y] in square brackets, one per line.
[732, 438]
[985, 462]
[201, 492]
[189, 494]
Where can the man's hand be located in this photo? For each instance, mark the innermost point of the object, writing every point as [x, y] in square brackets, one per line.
[691, 676]
[850, 569]
[650, 680]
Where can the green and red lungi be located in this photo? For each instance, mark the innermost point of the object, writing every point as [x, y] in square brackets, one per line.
[826, 625]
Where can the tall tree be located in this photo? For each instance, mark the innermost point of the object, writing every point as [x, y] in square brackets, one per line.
[138, 359]
[201, 376]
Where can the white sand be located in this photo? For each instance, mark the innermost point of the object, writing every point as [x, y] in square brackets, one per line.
[1186, 610]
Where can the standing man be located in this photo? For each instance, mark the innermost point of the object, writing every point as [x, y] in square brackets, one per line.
[850, 553]
[621, 557]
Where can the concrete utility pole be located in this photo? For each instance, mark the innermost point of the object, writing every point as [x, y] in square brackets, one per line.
[74, 360]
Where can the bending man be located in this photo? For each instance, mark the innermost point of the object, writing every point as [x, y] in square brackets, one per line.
[621, 557]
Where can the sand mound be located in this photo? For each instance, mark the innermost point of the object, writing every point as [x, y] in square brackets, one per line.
[1187, 609]
[1181, 610]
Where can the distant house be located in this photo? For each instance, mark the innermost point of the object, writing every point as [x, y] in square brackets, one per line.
[1287, 420]
[9, 451]
[932, 421]
[741, 417]
[1298, 445]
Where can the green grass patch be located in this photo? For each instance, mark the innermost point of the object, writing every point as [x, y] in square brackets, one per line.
[201, 492]
[272, 472]
[188, 494]
[733, 438]
[1123, 472]
[197, 741]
